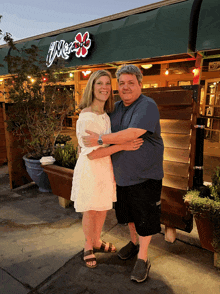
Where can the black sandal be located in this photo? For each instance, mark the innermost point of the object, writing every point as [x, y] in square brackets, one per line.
[103, 248]
[87, 253]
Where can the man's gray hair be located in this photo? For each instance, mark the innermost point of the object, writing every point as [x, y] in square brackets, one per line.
[131, 70]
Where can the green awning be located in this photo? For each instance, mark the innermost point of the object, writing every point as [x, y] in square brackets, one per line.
[155, 33]
[208, 35]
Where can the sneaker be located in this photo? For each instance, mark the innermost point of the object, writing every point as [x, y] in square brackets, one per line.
[140, 270]
[128, 251]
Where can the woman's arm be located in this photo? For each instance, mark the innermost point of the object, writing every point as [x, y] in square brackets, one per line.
[113, 138]
[106, 151]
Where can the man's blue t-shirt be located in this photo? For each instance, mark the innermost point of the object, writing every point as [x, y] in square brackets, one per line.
[134, 167]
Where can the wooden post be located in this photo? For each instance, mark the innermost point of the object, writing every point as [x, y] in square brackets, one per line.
[64, 202]
[170, 234]
[77, 88]
[217, 259]
[3, 150]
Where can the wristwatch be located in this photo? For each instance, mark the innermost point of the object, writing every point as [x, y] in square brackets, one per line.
[100, 142]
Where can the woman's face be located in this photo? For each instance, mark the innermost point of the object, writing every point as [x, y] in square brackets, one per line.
[102, 89]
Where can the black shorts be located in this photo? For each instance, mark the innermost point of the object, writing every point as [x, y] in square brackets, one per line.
[140, 204]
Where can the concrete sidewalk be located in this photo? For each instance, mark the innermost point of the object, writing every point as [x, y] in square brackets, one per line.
[41, 245]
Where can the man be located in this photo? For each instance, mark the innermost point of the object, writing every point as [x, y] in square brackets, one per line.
[139, 173]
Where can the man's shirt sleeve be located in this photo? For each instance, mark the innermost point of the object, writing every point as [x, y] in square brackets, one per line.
[145, 116]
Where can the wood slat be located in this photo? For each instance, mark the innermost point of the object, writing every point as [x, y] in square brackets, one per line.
[177, 113]
[175, 182]
[172, 201]
[176, 155]
[175, 126]
[171, 97]
[175, 214]
[184, 223]
[176, 168]
[176, 140]
[2, 142]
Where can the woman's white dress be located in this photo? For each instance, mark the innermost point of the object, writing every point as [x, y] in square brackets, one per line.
[93, 186]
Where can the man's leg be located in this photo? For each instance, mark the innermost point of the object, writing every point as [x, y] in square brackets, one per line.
[142, 265]
[144, 243]
[131, 248]
[133, 233]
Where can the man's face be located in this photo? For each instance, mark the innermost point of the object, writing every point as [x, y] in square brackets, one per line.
[129, 89]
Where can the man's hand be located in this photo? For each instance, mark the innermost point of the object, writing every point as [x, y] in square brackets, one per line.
[91, 140]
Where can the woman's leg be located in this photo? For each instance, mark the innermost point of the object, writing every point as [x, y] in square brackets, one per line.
[99, 222]
[100, 217]
[88, 223]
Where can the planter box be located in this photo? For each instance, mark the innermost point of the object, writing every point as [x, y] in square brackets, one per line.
[204, 228]
[205, 231]
[60, 180]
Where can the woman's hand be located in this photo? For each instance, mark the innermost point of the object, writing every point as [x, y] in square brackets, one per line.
[133, 145]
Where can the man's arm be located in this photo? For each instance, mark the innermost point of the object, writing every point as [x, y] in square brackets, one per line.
[120, 137]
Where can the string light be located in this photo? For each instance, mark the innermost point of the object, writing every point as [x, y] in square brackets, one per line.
[146, 66]
[86, 73]
[196, 75]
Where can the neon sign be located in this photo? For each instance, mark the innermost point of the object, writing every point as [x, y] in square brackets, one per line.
[63, 49]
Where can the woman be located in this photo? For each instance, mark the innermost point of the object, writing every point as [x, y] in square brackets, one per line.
[94, 188]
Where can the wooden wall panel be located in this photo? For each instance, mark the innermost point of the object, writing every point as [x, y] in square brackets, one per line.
[178, 114]
[3, 149]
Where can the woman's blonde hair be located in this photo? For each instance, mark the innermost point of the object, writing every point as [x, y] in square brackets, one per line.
[88, 95]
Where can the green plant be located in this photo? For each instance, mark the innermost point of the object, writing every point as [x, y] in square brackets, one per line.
[208, 206]
[39, 103]
[66, 156]
[62, 139]
[215, 188]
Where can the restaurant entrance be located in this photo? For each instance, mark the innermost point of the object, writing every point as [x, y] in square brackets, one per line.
[210, 110]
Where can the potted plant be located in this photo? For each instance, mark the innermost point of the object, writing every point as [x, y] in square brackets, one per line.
[205, 206]
[60, 173]
[38, 106]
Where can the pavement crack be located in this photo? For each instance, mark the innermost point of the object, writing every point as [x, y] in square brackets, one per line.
[23, 284]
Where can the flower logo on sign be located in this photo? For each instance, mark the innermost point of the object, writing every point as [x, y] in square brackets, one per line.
[82, 44]
[62, 49]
